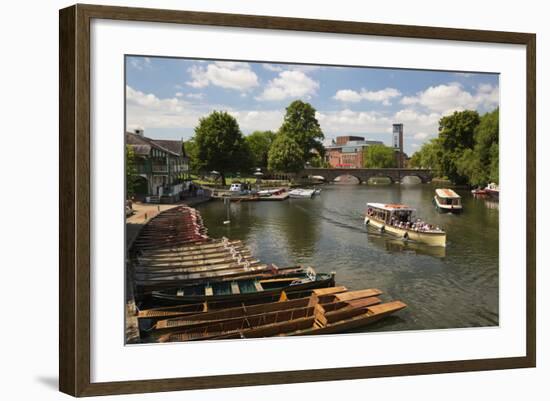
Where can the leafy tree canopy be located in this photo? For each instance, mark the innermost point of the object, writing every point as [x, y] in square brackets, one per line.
[379, 156]
[221, 145]
[285, 155]
[466, 150]
[259, 143]
[302, 126]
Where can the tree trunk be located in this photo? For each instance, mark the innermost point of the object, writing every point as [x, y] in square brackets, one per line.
[222, 175]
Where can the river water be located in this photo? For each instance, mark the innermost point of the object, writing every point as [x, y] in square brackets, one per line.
[450, 287]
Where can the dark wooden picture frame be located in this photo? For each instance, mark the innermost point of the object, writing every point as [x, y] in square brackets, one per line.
[74, 204]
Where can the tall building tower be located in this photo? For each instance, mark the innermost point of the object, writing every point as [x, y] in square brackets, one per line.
[398, 143]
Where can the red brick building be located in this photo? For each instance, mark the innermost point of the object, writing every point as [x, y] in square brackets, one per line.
[347, 151]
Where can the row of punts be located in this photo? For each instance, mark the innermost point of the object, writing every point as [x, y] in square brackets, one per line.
[191, 287]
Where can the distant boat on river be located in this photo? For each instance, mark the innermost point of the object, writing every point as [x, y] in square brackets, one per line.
[447, 200]
[302, 193]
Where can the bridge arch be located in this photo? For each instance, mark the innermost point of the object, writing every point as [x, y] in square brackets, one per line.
[357, 177]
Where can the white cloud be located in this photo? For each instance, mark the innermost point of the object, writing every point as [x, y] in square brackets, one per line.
[140, 63]
[263, 120]
[417, 125]
[349, 121]
[420, 135]
[272, 67]
[149, 111]
[289, 84]
[383, 96]
[347, 95]
[452, 97]
[146, 110]
[197, 96]
[226, 74]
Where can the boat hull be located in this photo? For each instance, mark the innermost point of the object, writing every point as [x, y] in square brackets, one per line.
[169, 298]
[446, 208]
[428, 238]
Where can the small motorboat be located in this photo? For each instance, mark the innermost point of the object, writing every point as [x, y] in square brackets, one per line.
[447, 200]
[493, 190]
[301, 193]
[398, 220]
[479, 192]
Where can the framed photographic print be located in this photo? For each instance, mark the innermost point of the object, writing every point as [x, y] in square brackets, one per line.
[250, 200]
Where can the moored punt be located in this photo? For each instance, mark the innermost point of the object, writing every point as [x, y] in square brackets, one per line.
[334, 317]
[242, 289]
[184, 249]
[192, 255]
[447, 200]
[324, 322]
[225, 258]
[197, 269]
[243, 312]
[398, 220]
[154, 314]
[247, 273]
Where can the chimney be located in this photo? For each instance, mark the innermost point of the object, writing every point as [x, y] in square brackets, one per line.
[138, 131]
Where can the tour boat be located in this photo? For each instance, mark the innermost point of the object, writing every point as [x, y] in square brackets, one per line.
[398, 220]
[447, 200]
[301, 193]
[493, 190]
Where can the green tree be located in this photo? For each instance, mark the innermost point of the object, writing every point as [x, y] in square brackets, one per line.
[456, 134]
[221, 145]
[379, 156]
[318, 161]
[466, 150]
[191, 151]
[131, 172]
[285, 155]
[302, 126]
[480, 164]
[259, 143]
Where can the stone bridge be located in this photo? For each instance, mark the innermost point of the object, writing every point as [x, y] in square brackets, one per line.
[363, 174]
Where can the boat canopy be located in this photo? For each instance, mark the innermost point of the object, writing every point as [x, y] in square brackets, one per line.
[446, 193]
[391, 207]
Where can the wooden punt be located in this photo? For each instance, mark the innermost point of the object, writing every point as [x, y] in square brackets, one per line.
[192, 255]
[261, 271]
[157, 245]
[197, 269]
[210, 244]
[218, 316]
[247, 289]
[240, 327]
[154, 314]
[222, 270]
[324, 322]
[222, 284]
[193, 263]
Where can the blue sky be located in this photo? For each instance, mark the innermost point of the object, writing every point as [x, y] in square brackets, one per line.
[167, 96]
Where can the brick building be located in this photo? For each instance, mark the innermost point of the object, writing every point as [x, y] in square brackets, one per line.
[347, 151]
